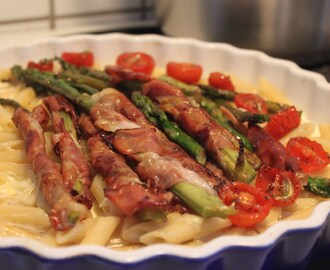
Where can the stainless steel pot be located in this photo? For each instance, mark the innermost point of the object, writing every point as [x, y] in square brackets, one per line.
[294, 29]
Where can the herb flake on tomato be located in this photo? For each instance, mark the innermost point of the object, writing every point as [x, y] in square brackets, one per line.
[310, 154]
[220, 80]
[252, 205]
[283, 187]
[251, 102]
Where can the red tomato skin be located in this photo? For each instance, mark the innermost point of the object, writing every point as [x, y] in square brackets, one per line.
[269, 180]
[220, 80]
[136, 61]
[251, 102]
[79, 59]
[281, 123]
[249, 213]
[46, 66]
[185, 72]
[310, 154]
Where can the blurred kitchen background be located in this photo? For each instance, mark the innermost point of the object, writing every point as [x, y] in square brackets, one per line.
[297, 29]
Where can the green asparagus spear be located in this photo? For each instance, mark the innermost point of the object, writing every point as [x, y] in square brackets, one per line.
[59, 86]
[188, 89]
[175, 134]
[197, 198]
[206, 206]
[10, 102]
[215, 93]
[84, 79]
[274, 107]
[228, 158]
[319, 186]
[97, 74]
[83, 88]
[91, 72]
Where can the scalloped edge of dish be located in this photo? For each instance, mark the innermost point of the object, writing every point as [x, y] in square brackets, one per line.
[209, 55]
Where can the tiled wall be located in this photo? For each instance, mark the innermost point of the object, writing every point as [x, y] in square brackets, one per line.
[58, 17]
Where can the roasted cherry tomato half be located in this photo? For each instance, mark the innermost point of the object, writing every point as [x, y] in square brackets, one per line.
[136, 61]
[283, 187]
[251, 204]
[79, 59]
[42, 66]
[281, 123]
[185, 72]
[220, 80]
[311, 155]
[251, 102]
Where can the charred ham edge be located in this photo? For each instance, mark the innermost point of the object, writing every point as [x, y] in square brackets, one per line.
[144, 145]
[124, 187]
[271, 152]
[74, 168]
[218, 142]
[65, 211]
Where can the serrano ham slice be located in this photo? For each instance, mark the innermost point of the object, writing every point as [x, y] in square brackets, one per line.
[65, 211]
[147, 139]
[124, 187]
[271, 151]
[74, 168]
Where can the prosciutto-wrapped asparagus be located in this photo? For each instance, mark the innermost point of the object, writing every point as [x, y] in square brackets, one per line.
[124, 187]
[65, 211]
[218, 141]
[155, 158]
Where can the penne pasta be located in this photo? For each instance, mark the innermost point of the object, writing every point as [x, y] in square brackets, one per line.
[14, 156]
[270, 92]
[104, 203]
[76, 234]
[178, 229]
[26, 216]
[8, 230]
[210, 226]
[5, 136]
[324, 130]
[25, 97]
[101, 231]
[304, 130]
